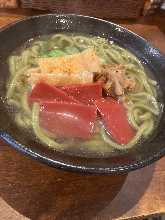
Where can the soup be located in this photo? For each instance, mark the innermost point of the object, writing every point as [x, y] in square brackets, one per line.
[82, 94]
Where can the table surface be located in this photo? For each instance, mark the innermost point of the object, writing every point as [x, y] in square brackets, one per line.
[31, 190]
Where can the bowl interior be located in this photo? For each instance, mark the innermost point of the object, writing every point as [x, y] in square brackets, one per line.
[15, 35]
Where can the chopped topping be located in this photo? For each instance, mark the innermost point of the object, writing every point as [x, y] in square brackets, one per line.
[115, 80]
[129, 84]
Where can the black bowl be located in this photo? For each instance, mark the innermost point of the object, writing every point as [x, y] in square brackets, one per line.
[16, 34]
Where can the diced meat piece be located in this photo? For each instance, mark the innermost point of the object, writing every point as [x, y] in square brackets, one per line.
[116, 75]
[115, 120]
[85, 93]
[100, 77]
[44, 92]
[116, 80]
[68, 120]
[129, 84]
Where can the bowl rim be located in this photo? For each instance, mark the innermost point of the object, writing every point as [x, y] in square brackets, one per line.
[119, 169]
[83, 169]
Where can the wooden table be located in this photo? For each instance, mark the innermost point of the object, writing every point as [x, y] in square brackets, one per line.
[32, 190]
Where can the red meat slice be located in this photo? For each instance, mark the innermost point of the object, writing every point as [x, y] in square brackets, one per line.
[115, 119]
[44, 92]
[67, 119]
[85, 93]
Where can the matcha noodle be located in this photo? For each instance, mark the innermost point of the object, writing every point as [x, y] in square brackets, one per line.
[142, 105]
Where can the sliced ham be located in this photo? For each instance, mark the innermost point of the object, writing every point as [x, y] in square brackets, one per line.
[85, 93]
[44, 92]
[68, 120]
[115, 120]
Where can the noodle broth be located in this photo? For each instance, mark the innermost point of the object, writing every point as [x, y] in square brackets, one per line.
[141, 104]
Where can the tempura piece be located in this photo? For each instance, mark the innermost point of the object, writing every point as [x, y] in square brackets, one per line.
[86, 61]
[66, 70]
[61, 79]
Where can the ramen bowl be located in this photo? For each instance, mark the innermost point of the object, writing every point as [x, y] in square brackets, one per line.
[17, 34]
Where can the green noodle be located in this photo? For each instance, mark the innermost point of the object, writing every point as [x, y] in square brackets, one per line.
[150, 127]
[25, 105]
[19, 120]
[12, 65]
[133, 120]
[14, 103]
[142, 104]
[145, 116]
[14, 82]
